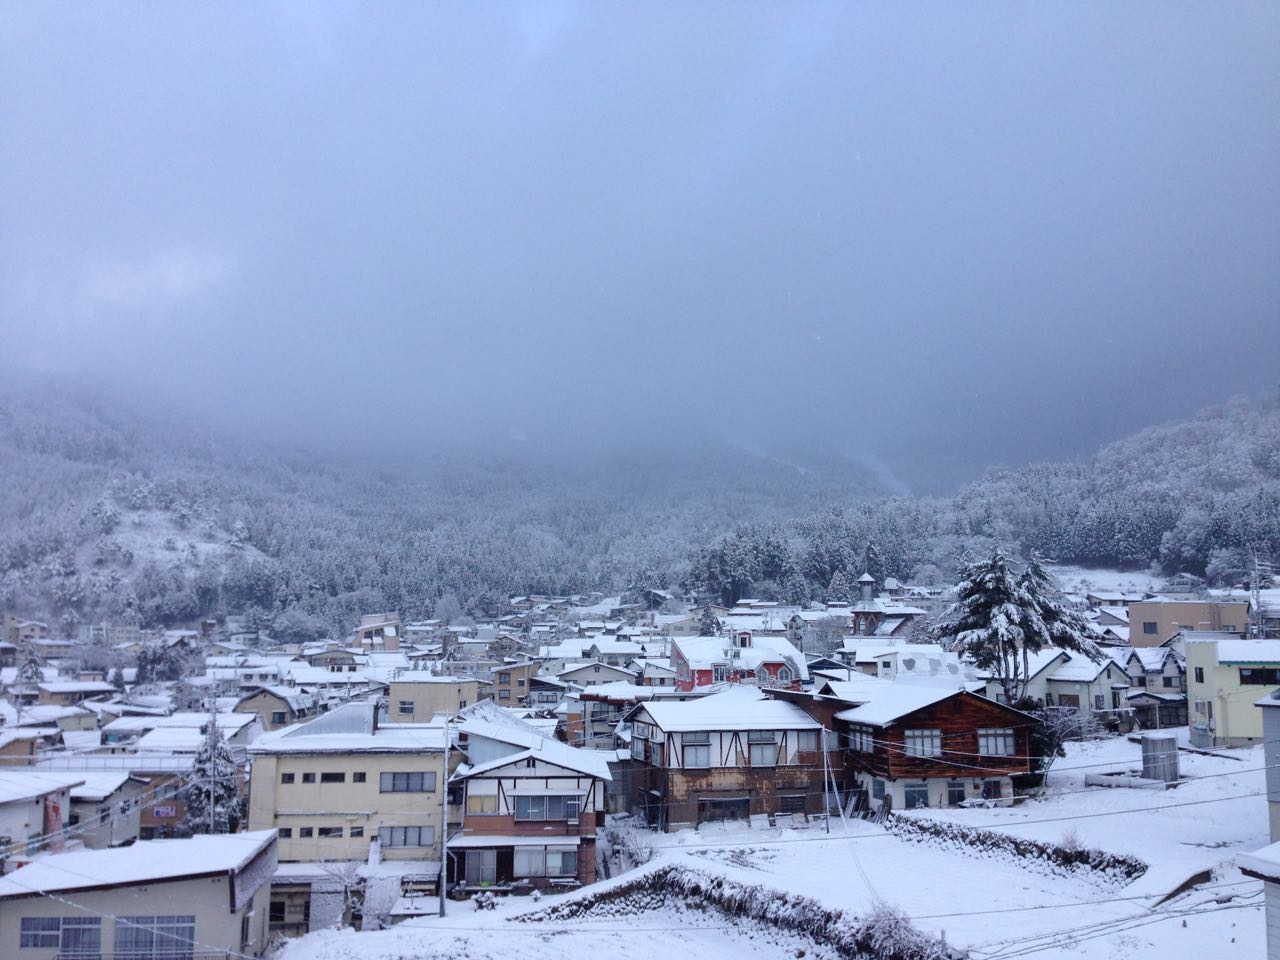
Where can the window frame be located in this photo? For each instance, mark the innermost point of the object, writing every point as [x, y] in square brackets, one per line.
[923, 742]
[1004, 737]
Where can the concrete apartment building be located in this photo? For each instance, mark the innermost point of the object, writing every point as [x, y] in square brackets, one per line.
[204, 897]
[417, 696]
[1156, 621]
[333, 785]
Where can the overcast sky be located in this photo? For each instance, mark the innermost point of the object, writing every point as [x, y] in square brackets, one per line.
[946, 235]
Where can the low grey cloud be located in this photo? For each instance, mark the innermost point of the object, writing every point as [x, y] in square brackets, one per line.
[939, 237]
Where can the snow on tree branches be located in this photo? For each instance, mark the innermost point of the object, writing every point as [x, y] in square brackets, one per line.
[211, 793]
[1001, 618]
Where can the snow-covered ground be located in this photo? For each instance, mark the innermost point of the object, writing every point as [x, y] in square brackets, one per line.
[1075, 579]
[995, 907]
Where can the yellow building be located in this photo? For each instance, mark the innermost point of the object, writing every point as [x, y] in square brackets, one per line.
[417, 696]
[336, 784]
[206, 896]
[1226, 677]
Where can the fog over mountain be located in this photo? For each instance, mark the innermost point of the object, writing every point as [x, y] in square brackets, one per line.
[922, 238]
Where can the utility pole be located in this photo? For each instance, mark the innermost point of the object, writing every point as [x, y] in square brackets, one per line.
[444, 821]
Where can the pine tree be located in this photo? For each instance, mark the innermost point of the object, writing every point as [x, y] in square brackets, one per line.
[30, 671]
[117, 678]
[212, 794]
[1000, 618]
[840, 590]
[708, 623]
[873, 562]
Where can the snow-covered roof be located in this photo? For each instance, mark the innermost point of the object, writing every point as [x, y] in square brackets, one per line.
[99, 786]
[1245, 651]
[351, 728]
[735, 708]
[704, 652]
[147, 861]
[891, 701]
[18, 785]
[77, 686]
[1264, 863]
[1080, 669]
[228, 723]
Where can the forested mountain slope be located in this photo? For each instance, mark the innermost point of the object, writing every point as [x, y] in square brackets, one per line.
[105, 512]
[1201, 495]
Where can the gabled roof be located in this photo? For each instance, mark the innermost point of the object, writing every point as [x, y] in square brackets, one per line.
[893, 701]
[28, 784]
[736, 708]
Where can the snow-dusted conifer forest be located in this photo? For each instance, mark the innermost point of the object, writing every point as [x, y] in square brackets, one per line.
[105, 513]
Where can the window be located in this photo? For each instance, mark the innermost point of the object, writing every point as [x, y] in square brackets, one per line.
[156, 938]
[640, 731]
[860, 739]
[304, 832]
[784, 674]
[482, 867]
[992, 789]
[955, 793]
[1170, 682]
[562, 861]
[407, 836]
[1099, 702]
[275, 912]
[791, 803]
[1150, 628]
[357, 832]
[720, 673]
[483, 805]
[995, 742]
[877, 789]
[286, 778]
[407, 782]
[915, 795]
[330, 832]
[277, 716]
[357, 777]
[285, 833]
[331, 777]
[763, 748]
[546, 807]
[1140, 681]
[808, 741]
[697, 750]
[924, 743]
[530, 862]
[520, 682]
[637, 748]
[308, 778]
[504, 694]
[41, 932]
[405, 708]
[1199, 674]
[1260, 676]
[504, 678]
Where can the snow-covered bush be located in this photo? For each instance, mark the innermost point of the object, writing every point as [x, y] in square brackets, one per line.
[1098, 866]
[484, 900]
[885, 934]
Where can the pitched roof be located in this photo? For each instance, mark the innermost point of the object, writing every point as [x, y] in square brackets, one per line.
[736, 708]
[146, 861]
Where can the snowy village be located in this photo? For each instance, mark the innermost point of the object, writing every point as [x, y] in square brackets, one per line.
[843, 778]
[546, 479]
